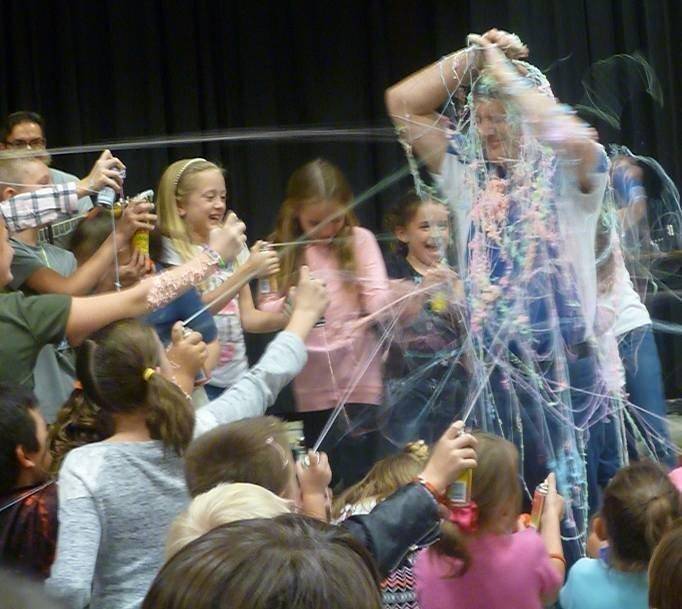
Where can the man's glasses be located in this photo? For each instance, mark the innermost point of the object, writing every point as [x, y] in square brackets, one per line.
[38, 142]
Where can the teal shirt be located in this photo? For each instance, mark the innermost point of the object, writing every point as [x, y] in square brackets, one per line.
[592, 584]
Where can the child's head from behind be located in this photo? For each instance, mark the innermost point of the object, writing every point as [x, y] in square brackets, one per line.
[665, 571]
[191, 201]
[639, 507]
[495, 490]
[386, 477]
[422, 228]
[254, 450]
[221, 505]
[289, 561]
[317, 205]
[120, 369]
[495, 484]
[89, 235]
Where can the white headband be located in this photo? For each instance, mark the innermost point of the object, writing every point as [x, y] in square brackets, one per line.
[184, 167]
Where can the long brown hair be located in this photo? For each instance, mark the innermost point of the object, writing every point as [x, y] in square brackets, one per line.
[495, 489]
[639, 507]
[316, 181]
[112, 365]
[665, 571]
[79, 422]
[385, 477]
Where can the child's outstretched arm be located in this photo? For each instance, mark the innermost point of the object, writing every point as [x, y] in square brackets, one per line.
[550, 531]
[91, 313]
[314, 476]
[411, 516]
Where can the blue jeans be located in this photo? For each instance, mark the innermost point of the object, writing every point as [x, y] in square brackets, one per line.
[553, 444]
[644, 384]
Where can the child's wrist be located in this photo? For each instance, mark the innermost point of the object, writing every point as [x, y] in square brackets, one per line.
[550, 514]
[314, 490]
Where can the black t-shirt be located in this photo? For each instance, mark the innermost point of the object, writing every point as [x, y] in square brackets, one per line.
[427, 336]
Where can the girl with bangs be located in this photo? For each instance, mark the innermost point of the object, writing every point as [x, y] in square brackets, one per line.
[192, 201]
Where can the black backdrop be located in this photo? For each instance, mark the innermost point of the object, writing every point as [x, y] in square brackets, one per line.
[108, 70]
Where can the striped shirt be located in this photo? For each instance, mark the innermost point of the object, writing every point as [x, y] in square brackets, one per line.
[42, 206]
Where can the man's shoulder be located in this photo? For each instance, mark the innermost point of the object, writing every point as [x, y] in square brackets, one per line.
[61, 177]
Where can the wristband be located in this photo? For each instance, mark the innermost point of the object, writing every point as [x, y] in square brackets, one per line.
[215, 257]
[435, 493]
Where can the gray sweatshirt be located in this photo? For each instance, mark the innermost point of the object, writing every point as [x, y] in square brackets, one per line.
[117, 500]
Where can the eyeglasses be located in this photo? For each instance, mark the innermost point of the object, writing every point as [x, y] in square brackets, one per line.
[38, 142]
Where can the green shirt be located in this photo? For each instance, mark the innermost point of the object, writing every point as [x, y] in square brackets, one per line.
[30, 258]
[27, 323]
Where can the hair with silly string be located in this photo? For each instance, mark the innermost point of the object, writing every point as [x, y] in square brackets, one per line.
[254, 450]
[314, 182]
[178, 181]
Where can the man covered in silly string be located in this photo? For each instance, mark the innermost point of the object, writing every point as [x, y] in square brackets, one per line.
[525, 179]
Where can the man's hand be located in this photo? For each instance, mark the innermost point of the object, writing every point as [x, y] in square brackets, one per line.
[105, 172]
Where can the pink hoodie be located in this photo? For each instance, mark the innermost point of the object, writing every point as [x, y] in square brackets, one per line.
[344, 358]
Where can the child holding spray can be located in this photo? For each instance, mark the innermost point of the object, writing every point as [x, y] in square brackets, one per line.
[191, 202]
[480, 562]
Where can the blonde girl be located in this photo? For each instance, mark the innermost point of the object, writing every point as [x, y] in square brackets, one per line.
[191, 202]
[384, 479]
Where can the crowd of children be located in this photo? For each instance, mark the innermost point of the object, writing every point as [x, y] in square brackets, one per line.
[160, 480]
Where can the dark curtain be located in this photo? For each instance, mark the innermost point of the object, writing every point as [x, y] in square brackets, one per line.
[110, 70]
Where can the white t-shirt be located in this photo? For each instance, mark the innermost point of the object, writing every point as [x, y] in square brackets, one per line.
[630, 310]
[233, 362]
[577, 212]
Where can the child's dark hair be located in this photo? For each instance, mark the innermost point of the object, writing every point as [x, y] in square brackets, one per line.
[385, 477]
[79, 422]
[400, 215]
[639, 507]
[89, 235]
[113, 367]
[495, 489]
[254, 450]
[17, 428]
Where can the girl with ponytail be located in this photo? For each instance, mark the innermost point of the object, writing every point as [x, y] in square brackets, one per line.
[118, 497]
[640, 506]
[480, 562]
